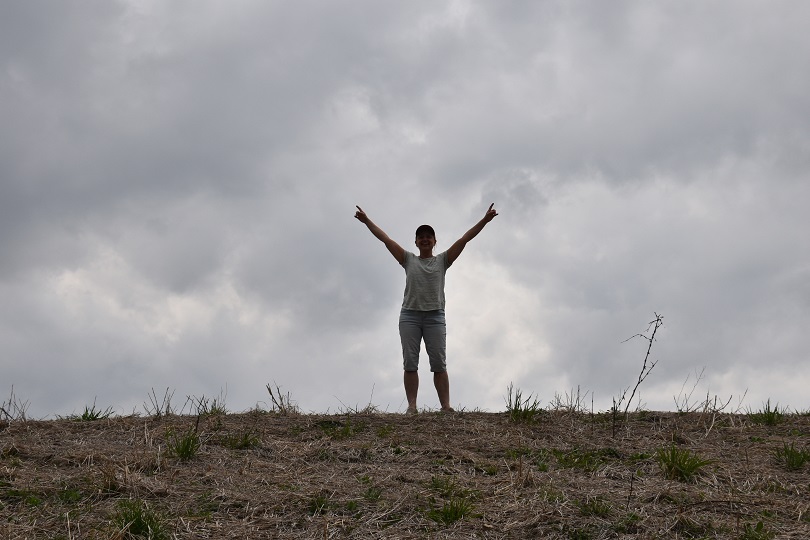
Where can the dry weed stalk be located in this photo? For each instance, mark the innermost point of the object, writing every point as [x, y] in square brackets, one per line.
[159, 407]
[710, 409]
[655, 324]
[13, 409]
[281, 403]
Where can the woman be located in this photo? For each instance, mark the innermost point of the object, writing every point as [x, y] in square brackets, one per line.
[422, 315]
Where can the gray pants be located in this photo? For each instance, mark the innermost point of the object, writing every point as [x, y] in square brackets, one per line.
[414, 326]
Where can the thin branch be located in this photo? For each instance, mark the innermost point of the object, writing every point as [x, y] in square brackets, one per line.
[645, 371]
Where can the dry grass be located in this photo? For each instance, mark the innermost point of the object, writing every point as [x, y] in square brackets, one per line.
[464, 475]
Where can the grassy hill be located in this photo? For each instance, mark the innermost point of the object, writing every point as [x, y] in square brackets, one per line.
[561, 474]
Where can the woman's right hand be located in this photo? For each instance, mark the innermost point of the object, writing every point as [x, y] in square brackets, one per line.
[360, 215]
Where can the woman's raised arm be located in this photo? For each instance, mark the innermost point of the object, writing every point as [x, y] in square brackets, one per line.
[456, 249]
[395, 249]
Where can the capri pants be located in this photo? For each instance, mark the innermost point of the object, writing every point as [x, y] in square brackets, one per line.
[414, 326]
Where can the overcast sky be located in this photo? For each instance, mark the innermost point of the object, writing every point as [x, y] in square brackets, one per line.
[178, 182]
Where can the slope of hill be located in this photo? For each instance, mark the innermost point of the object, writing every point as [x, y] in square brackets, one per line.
[432, 475]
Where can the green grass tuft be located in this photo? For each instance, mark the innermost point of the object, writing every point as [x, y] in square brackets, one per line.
[183, 445]
[451, 511]
[587, 460]
[136, 520]
[756, 532]
[342, 430]
[767, 415]
[372, 494]
[628, 524]
[687, 527]
[319, 504]
[680, 464]
[91, 414]
[791, 457]
[595, 506]
[241, 441]
[522, 409]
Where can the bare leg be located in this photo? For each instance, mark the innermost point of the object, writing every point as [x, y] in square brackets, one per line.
[442, 383]
[411, 388]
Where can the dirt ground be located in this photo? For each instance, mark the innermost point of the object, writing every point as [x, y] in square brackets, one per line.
[432, 475]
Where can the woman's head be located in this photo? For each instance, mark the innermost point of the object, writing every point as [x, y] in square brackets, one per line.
[425, 238]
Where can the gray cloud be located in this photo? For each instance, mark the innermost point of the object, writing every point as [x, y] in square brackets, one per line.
[177, 187]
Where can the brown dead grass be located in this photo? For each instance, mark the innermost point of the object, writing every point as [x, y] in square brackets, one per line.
[381, 475]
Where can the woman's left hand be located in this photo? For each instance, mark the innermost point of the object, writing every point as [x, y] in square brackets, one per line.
[491, 213]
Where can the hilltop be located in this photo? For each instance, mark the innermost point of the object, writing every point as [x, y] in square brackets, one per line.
[564, 474]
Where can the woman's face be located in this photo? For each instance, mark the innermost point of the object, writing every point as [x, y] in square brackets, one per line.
[425, 241]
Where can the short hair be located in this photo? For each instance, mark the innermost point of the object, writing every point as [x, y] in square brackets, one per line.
[425, 229]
